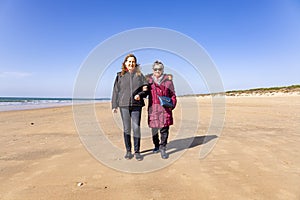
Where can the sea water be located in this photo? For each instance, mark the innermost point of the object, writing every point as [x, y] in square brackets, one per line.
[25, 103]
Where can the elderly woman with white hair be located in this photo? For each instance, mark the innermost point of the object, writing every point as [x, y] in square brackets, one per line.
[159, 116]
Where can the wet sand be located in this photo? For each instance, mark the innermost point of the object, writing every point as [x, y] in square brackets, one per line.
[257, 155]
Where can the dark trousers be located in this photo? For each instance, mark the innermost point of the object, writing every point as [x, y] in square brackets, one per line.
[131, 118]
[164, 134]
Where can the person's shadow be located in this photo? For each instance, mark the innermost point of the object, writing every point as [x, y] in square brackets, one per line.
[185, 143]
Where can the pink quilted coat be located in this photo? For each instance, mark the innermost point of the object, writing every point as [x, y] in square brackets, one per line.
[159, 116]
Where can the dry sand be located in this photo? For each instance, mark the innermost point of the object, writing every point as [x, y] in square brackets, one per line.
[257, 156]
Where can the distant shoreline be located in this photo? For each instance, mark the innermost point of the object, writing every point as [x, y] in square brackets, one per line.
[292, 89]
[28, 103]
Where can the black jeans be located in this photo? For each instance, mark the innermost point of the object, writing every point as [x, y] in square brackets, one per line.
[131, 117]
[164, 134]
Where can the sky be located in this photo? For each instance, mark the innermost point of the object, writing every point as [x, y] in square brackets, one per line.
[43, 44]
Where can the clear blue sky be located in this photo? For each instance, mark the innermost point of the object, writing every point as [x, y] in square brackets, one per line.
[254, 43]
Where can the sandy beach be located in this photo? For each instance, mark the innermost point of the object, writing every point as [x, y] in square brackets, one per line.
[256, 156]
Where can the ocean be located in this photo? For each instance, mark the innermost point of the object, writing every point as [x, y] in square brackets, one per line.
[25, 103]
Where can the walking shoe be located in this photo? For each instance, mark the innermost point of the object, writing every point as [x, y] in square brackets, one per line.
[138, 156]
[128, 155]
[163, 153]
[156, 150]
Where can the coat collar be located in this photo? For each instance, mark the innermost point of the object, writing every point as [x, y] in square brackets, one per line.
[149, 78]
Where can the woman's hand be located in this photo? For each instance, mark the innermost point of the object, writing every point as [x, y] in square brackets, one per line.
[145, 88]
[114, 110]
[137, 97]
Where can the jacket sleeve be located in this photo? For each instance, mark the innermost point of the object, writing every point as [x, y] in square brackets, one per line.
[115, 93]
[173, 94]
[143, 93]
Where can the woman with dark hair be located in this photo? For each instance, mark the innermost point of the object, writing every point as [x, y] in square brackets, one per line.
[129, 91]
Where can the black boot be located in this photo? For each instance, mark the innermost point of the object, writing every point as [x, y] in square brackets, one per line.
[163, 153]
[156, 149]
[138, 156]
[128, 155]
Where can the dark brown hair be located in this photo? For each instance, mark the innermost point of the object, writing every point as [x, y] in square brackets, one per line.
[137, 66]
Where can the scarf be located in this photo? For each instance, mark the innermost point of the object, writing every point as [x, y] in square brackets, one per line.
[158, 80]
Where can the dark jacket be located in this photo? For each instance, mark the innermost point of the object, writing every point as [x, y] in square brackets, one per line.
[126, 87]
[159, 116]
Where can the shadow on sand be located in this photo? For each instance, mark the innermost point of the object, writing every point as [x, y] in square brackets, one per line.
[184, 143]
